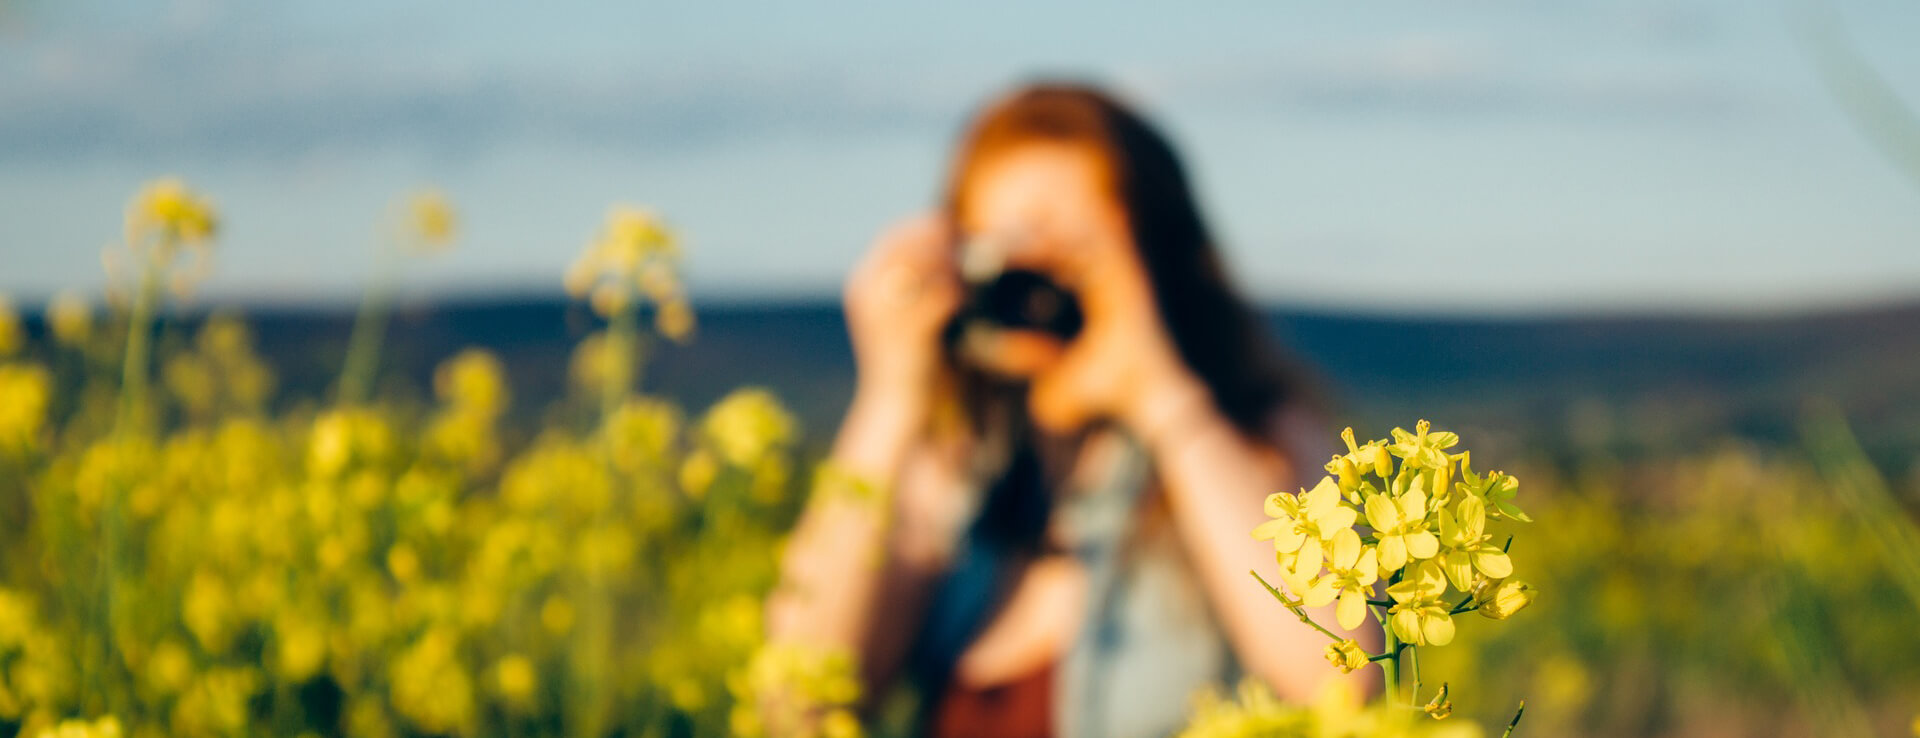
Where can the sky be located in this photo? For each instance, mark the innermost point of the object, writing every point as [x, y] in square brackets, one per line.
[1457, 157]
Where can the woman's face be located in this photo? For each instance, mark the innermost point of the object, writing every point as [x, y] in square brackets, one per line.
[1053, 206]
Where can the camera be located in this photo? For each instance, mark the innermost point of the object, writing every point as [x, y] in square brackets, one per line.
[999, 298]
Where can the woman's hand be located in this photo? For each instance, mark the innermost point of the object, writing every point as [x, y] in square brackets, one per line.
[1124, 365]
[898, 300]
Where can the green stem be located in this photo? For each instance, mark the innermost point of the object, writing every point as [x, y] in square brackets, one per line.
[1508, 733]
[1392, 667]
[1295, 606]
[369, 330]
[622, 341]
[133, 367]
[1413, 667]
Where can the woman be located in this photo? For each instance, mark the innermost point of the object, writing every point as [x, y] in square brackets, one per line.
[1064, 542]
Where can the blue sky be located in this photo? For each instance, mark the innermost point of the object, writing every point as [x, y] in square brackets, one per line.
[1458, 157]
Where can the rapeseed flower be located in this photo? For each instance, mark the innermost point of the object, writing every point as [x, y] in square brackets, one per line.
[1496, 489]
[431, 220]
[1468, 546]
[1418, 615]
[70, 318]
[747, 425]
[12, 334]
[1346, 655]
[1424, 448]
[1310, 516]
[26, 391]
[1351, 571]
[1500, 599]
[1400, 524]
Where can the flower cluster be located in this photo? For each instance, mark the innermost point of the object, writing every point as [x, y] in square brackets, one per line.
[634, 256]
[793, 689]
[1425, 514]
[370, 567]
[1253, 710]
[164, 217]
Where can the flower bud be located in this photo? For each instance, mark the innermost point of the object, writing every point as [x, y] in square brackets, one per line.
[1440, 707]
[1346, 656]
[1349, 474]
[1500, 599]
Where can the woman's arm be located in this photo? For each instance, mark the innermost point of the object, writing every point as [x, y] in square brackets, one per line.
[1216, 479]
[856, 572]
[859, 568]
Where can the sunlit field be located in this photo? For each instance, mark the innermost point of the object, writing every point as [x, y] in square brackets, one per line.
[188, 548]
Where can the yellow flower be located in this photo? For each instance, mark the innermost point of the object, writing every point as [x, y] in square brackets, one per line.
[1500, 599]
[748, 424]
[430, 685]
[1350, 575]
[1401, 525]
[1346, 655]
[640, 433]
[811, 683]
[514, 677]
[106, 727]
[302, 647]
[623, 260]
[166, 209]
[1424, 448]
[1440, 707]
[403, 563]
[12, 335]
[473, 381]
[26, 391]
[431, 220]
[1469, 547]
[557, 615]
[697, 473]
[1311, 515]
[1419, 617]
[1497, 489]
[1371, 457]
[208, 612]
[169, 668]
[674, 319]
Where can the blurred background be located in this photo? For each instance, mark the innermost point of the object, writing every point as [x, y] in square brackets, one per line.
[1661, 259]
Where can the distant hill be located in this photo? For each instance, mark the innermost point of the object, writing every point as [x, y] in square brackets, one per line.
[1631, 385]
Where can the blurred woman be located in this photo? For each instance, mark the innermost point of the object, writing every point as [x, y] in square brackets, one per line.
[1062, 538]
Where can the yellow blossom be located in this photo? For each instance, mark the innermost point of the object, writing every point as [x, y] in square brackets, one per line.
[1424, 448]
[473, 381]
[431, 220]
[1496, 489]
[1500, 599]
[515, 679]
[1400, 523]
[106, 727]
[1440, 708]
[1468, 546]
[1346, 655]
[1418, 615]
[1301, 521]
[166, 209]
[1351, 571]
[25, 393]
[674, 319]
[746, 425]
[12, 335]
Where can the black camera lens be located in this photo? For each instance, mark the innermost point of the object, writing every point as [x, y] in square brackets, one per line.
[1020, 300]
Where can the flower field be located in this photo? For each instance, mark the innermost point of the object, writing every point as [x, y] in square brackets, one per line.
[186, 549]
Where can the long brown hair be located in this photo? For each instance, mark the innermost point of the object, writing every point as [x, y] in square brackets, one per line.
[1217, 333]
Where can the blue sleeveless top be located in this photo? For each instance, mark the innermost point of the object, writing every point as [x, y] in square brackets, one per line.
[1148, 639]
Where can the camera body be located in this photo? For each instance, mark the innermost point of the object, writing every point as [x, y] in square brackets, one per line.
[1000, 299]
